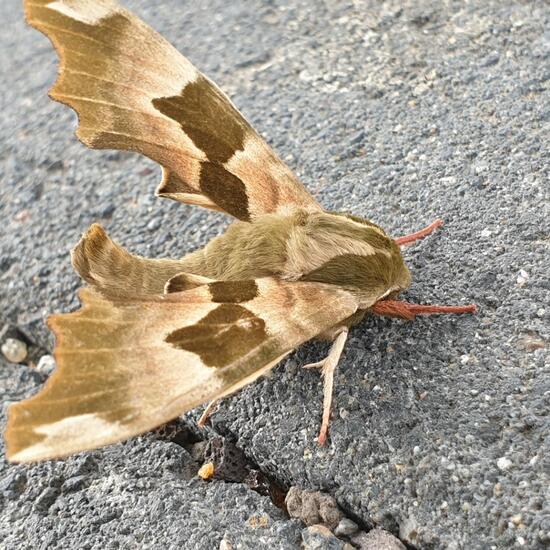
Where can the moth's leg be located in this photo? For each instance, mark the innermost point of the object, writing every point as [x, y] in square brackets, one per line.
[406, 310]
[328, 366]
[317, 365]
[407, 239]
[201, 423]
[104, 264]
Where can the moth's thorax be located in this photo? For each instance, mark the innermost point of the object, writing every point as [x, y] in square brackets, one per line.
[333, 248]
[362, 257]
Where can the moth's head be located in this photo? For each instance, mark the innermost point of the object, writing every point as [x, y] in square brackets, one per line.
[355, 253]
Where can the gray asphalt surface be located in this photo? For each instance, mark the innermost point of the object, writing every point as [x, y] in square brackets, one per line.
[399, 111]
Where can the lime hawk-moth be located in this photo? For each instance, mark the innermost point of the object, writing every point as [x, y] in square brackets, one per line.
[155, 338]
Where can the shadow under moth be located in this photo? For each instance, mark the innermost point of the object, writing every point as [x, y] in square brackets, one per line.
[155, 338]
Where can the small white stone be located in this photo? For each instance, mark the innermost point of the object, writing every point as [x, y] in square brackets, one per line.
[369, 35]
[416, 450]
[534, 460]
[541, 312]
[464, 359]
[486, 233]
[344, 414]
[480, 168]
[46, 365]
[520, 541]
[504, 463]
[431, 75]
[523, 277]
[14, 350]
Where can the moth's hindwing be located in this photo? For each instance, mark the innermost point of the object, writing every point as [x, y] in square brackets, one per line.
[132, 90]
[127, 366]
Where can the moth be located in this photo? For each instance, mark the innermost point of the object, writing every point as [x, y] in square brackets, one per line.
[155, 338]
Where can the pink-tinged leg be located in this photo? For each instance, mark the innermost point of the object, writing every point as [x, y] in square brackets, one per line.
[407, 239]
[207, 413]
[328, 366]
[405, 310]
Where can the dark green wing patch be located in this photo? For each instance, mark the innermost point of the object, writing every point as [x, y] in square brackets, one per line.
[225, 189]
[178, 283]
[217, 129]
[354, 271]
[207, 117]
[224, 335]
[233, 291]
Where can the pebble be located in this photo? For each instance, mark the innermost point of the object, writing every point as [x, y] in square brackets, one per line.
[523, 277]
[319, 537]
[504, 463]
[46, 498]
[377, 539]
[345, 527]
[154, 224]
[15, 351]
[46, 365]
[313, 507]
[409, 529]
[516, 519]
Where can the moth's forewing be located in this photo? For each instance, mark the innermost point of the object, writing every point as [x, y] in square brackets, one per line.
[127, 366]
[132, 90]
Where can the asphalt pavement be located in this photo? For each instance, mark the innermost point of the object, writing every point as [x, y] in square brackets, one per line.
[398, 111]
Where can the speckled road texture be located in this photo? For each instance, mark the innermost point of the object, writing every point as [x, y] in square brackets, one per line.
[400, 111]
